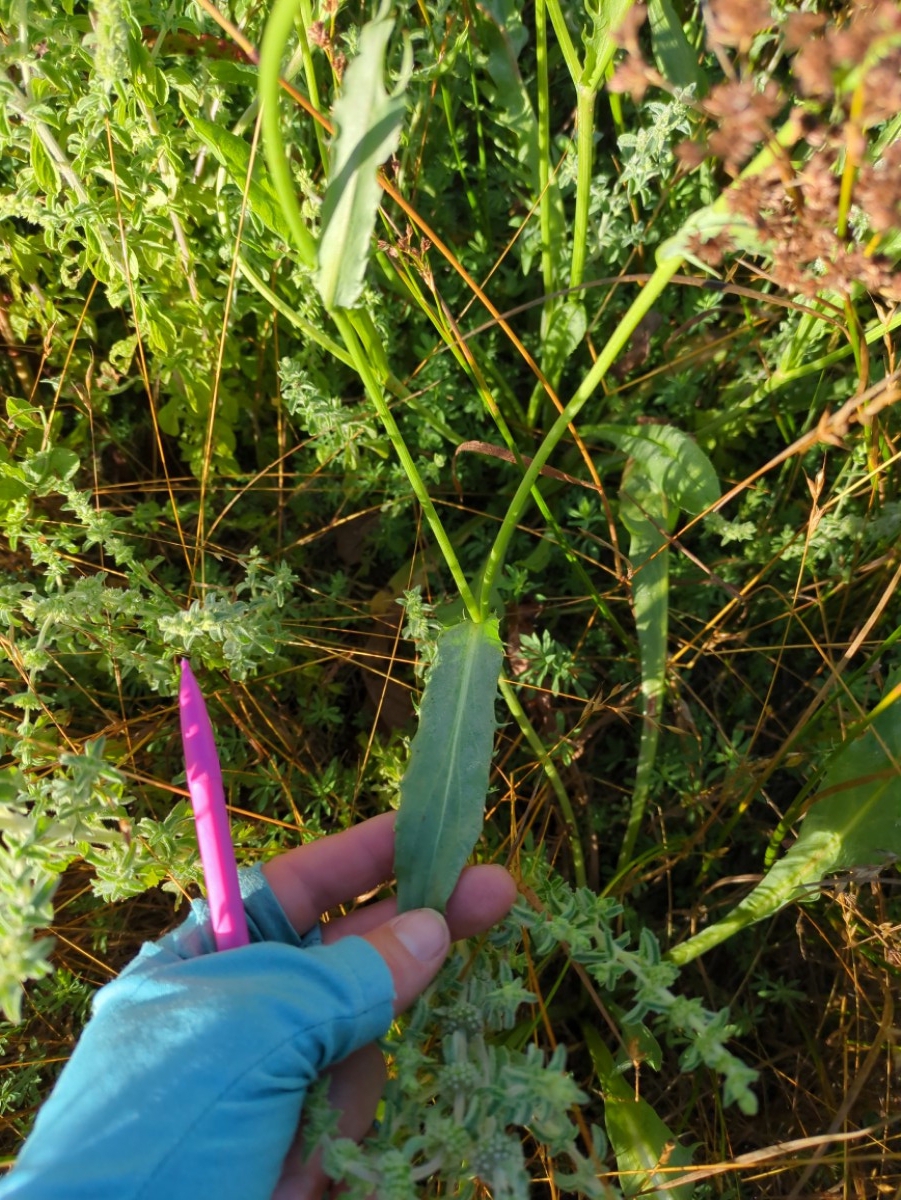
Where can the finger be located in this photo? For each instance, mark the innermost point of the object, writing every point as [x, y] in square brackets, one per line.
[355, 1087]
[414, 945]
[483, 896]
[314, 878]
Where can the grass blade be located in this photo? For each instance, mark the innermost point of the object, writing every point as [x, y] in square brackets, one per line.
[443, 789]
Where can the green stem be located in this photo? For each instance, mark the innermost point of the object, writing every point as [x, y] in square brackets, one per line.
[275, 37]
[567, 47]
[544, 154]
[585, 150]
[363, 366]
[309, 70]
[550, 770]
[627, 326]
[307, 328]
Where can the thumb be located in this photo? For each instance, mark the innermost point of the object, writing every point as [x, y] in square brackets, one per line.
[414, 945]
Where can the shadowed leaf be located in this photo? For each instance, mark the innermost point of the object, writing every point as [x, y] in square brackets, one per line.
[641, 1140]
[443, 789]
[854, 821]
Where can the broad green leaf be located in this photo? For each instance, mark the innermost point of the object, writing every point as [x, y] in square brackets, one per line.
[670, 458]
[854, 821]
[368, 121]
[647, 1152]
[676, 60]
[443, 789]
[234, 155]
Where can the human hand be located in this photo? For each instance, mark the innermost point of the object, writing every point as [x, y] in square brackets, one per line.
[190, 1078]
[314, 878]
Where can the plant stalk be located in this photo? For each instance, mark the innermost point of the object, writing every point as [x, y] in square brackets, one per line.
[550, 769]
[618, 339]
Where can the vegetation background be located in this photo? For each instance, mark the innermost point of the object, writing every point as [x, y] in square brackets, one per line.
[681, 222]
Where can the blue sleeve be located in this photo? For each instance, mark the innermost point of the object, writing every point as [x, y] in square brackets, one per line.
[188, 1082]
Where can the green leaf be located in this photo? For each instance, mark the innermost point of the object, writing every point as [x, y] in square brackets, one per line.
[234, 155]
[606, 17]
[368, 122]
[641, 1140]
[443, 789]
[646, 514]
[854, 821]
[566, 329]
[670, 458]
[45, 169]
[676, 60]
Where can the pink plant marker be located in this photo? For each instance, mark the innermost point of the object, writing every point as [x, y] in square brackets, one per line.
[210, 816]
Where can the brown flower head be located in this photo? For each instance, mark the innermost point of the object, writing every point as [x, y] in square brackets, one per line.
[812, 69]
[632, 75]
[882, 90]
[799, 28]
[743, 115]
[710, 250]
[691, 154]
[735, 22]
[878, 190]
[626, 33]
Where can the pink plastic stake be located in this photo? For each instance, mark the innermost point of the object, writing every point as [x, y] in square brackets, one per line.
[210, 816]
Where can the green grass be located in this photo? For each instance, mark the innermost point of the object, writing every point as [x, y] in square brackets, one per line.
[201, 456]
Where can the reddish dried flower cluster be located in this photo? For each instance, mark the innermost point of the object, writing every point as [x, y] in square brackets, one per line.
[798, 213]
[735, 22]
[850, 75]
[743, 116]
[878, 190]
[798, 225]
[867, 41]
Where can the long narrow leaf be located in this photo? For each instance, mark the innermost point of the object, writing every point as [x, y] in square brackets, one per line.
[677, 61]
[444, 787]
[645, 513]
[234, 155]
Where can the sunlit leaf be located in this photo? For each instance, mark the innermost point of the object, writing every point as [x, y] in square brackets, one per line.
[444, 787]
[233, 153]
[677, 61]
[670, 458]
[368, 121]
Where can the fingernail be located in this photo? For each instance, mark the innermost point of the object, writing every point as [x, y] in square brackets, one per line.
[423, 932]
